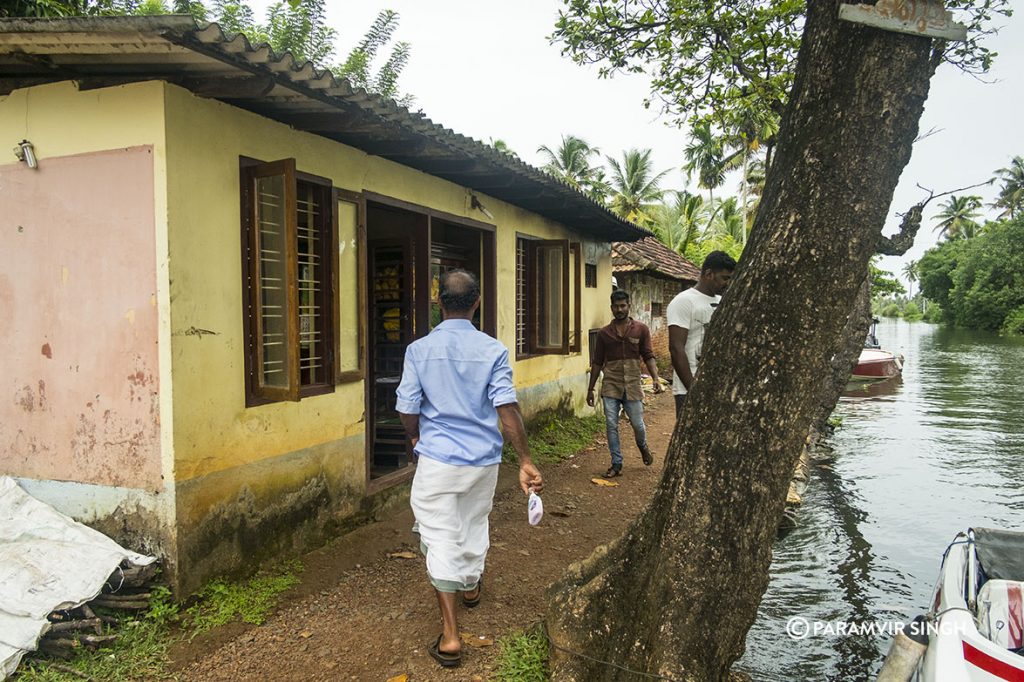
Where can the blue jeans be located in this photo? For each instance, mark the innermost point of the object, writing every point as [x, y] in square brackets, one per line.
[635, 412]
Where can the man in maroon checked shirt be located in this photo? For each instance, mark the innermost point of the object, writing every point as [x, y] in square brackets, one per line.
[621, 349]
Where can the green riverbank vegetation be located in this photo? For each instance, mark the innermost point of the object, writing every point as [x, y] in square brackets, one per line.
[975, 275]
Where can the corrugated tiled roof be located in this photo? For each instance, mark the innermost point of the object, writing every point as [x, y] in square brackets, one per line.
[105, 51]
[650, 255]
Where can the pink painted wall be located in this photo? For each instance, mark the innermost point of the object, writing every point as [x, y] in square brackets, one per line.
[78, 320]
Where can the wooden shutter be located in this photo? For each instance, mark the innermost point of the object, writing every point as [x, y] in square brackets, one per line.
[273, 285]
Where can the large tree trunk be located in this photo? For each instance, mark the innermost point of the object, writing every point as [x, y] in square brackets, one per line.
[677, 593]
[842, 362]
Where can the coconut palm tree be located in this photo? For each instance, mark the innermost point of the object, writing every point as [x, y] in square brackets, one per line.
[678, 223]
[754, 178]
[751, 126]
[909, 273]
[727, 219]
[571, 162]
[501, 146]
[705, 157]
[1011, 194]
[956, 219]
[634, 186]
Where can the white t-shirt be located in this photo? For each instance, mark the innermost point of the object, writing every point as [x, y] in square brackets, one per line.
[692, 311]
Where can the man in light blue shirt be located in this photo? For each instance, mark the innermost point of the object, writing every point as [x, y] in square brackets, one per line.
[456, 385]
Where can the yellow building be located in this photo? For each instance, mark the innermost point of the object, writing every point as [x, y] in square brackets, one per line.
[212, 260]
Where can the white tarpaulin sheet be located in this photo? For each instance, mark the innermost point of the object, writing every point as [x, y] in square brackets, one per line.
[47, 562]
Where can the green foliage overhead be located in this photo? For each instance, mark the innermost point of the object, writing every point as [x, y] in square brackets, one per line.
[299, 28]
[883, 284]
[295, 26]
[356, 66]
[709, 58]
[704, 58]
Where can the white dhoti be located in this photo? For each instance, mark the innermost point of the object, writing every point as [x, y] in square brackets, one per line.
[451, 505]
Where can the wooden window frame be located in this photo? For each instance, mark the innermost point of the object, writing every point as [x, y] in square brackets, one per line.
[575, 340]
[571, 285]
[590, 282]
[256, 393]
[357, 199]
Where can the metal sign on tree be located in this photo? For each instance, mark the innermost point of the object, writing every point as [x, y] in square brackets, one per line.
[916, 17]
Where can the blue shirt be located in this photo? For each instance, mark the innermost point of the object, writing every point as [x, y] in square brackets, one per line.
[455, 378]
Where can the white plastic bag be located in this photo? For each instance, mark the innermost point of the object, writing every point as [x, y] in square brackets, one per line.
[534, 508]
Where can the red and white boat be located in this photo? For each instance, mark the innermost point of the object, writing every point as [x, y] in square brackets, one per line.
[974, 631]
[876, 364]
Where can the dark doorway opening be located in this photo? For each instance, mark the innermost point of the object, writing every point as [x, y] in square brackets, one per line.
[407, 252]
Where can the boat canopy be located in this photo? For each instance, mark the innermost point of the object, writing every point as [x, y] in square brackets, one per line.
[1000, 552]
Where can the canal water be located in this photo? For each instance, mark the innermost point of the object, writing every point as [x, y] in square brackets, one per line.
[915, 461]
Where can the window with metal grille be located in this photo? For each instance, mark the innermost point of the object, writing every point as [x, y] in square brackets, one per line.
[287, 221]
[590, 274]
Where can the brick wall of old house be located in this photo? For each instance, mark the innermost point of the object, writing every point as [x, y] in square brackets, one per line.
[650, 297]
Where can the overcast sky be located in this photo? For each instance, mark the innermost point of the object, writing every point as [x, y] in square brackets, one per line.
[486, 69]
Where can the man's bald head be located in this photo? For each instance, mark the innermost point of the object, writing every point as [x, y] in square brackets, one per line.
[460, 291]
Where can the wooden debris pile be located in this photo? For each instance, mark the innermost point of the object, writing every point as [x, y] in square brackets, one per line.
[127, 589]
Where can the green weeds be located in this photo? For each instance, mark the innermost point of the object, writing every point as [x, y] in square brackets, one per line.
[141, 648]
[555, 436]
[222, 602]
[523, 657]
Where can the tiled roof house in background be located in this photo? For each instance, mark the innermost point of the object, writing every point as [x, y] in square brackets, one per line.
[653, 274]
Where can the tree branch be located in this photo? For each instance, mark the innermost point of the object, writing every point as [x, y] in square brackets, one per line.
[900, 243]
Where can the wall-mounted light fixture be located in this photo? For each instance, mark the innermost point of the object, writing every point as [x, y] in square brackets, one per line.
[27, 153]
[475, 203]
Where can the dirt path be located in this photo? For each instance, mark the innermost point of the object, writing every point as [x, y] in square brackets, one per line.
[362, 615]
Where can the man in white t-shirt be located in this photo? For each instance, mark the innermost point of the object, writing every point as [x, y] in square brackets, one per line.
[688, 316]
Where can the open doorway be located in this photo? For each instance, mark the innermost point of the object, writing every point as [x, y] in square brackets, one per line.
[408, 249]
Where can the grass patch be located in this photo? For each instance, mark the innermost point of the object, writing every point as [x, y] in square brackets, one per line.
[222, 602]
[555, 436]
[139, 653]
[143, 640]
[523, 657]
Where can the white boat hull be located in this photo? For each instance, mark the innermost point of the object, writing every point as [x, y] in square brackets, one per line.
[956, 650]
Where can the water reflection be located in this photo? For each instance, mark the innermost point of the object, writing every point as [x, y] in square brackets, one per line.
[873, 389]
[917, 459]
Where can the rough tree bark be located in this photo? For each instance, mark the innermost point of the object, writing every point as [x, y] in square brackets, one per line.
[677, 593]
[842, 362]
